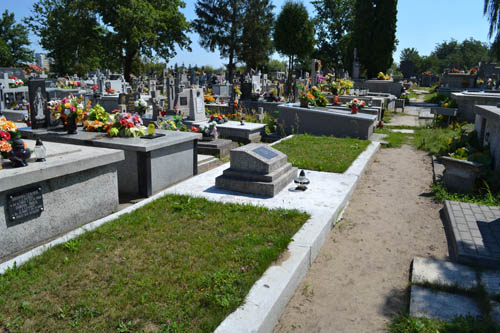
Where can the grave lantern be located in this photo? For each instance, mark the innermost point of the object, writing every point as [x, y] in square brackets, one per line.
[40, 151]
[301, 181]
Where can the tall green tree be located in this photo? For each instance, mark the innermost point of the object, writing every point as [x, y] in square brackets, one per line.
[293, 35]
[144, 27]
[374, 34]
[256, 44]
[333, 23]
[219, 25]
[70, 32]
[14, 42]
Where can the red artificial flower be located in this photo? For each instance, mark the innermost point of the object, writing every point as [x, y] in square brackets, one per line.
[123, 122]
[115, 111]
[130, 125]
[5, 135]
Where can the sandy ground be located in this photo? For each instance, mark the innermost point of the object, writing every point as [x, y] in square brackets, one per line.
[359, 280]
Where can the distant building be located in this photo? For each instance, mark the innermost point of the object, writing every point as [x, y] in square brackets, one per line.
[43, 61]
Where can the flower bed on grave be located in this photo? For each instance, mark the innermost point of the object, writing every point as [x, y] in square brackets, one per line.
[176, 264]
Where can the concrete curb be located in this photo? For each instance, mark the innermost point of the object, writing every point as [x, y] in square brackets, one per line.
[269, 296]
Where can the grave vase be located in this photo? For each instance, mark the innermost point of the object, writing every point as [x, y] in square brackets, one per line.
[71, 125]
[304, 104]
[354, 109]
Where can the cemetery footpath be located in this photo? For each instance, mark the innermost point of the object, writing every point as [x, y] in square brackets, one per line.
[359, 281]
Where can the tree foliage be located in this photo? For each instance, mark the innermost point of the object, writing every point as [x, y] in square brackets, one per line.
[449, 54]
[219, 25]
[13, 42]
[72, 32]
[293, 35]
[256, 44]
[333, 23]
[374, 34]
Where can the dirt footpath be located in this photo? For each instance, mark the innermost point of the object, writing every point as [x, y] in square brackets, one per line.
[359, 280]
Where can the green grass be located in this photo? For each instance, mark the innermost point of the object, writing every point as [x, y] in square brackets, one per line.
[322, 153]
[177, 264]
[406, 324]
[394, 139]
[433, 139]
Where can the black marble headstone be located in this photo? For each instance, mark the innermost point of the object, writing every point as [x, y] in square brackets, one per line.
[39, 113]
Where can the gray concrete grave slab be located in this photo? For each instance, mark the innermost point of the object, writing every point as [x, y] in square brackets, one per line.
[440, 305]
[443, 273]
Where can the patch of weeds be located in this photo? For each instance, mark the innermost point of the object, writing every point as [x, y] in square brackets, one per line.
[407, 324]
[434, 140]
[394, 139]
[72, 245]
[482, 196]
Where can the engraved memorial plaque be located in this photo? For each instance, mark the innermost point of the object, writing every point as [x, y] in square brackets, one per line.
[264, 152]
[183, 101]
[25, 204]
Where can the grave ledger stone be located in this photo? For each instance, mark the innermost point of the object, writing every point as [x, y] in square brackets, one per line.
[257, 169]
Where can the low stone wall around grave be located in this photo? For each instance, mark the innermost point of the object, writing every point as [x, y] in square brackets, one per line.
[296, 120]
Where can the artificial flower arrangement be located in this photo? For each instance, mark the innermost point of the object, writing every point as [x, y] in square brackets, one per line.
[94, 87]
[473, 71]
[209, 99]
[306, 96]
[98, 120]
[74, 84]
[14, 82]
[69, 107]
[272, 95]
[218, 118]
[343, 86]
[174, 124]
[454, 70]
[207, 130]
[319, 97]
[355, 104]
[23, 105]
[141, 105]
[8, 132]
[124, 124]
[382, 76]
[110, 91]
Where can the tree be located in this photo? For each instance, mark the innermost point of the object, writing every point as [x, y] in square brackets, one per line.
[491, 10]
[71, 34]
[374, 34]
[141, 27]
[333, 22]
[293, 35]
[13, 42]
[219, 25]
[256, 44]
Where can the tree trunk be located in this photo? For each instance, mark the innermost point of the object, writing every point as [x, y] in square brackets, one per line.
[127, 66]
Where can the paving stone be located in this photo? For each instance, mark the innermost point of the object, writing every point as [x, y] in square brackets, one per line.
[440, 305]
[443, 273]
[490, 280]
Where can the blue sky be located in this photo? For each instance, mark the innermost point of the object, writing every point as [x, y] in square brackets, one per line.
[421, 24]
